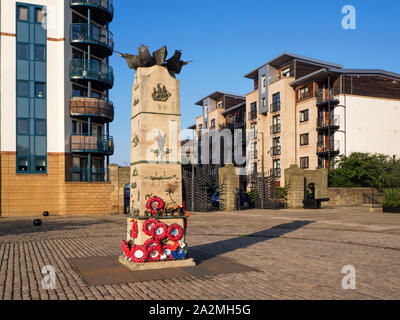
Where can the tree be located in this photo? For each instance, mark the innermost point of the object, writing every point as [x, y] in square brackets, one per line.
[365, 170]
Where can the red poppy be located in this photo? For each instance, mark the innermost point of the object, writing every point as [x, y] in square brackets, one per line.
[155, 204]
[159, 231]
[139, 254]
[148, 225]
[175, 232]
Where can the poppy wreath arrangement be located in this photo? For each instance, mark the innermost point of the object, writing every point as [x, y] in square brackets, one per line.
[156, 206]
[156, 248]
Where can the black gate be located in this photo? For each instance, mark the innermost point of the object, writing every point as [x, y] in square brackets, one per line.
[200, 187]
[262, 191]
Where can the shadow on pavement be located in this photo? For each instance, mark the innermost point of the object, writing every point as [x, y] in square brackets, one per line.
[228, 245]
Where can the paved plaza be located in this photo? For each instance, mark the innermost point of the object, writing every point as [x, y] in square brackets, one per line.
[299, 254]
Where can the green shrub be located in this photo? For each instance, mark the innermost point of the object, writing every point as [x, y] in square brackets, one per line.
[280, 192]
[391, 198]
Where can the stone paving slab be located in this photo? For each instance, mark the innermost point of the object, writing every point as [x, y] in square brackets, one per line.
[300, 255]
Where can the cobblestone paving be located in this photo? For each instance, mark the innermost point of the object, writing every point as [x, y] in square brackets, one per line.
[300, 255]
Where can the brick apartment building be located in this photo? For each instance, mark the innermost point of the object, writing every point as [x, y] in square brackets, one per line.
[307, 112]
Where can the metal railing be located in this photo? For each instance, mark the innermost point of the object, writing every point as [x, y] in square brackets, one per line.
[92, 144]
[276, 150]
[276, 106]
[323, 97]
[252, 116]
[87, 175]
[332, 146]
[332, 122]
[84, 106]
[107, 5]
[276, 128]
[89, 33]
[92, 70]
[276, 172]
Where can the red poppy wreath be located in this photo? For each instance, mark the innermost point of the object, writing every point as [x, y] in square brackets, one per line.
[139, 254]
[159, 231]
[134, 230]
[155, 204]
[175, 232]
[148, 225]
[154, 251]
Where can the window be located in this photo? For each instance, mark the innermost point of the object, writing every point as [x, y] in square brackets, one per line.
[22, 88]
[40, 127]
[212, 124]
[254, 130]
[277, 168]
[200, 127]
[304, 139]
[40, 90]
[285, 72]
[22, 126]
[321, 163]
[304, 115]
[22, 13]
[39, 15]
[22, 164]
[40, 53]
[276, 146]
[205, 125]
[304, 163]
[303, 93]
[22, 51]
[276, 102]
[40, 164]
[263, 83]
[219, 105]
[264, 102]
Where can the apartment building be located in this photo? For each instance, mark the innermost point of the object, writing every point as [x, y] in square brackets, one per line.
[55, 112]
[306, 111]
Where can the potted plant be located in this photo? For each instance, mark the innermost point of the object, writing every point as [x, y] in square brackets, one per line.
[391, 200]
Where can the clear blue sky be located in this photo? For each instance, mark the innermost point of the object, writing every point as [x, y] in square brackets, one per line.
[227, 39]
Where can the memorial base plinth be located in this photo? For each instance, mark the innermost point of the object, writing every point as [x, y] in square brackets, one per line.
[134, 266]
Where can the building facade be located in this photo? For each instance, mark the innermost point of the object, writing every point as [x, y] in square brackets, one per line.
[55, 112]
[307, 112]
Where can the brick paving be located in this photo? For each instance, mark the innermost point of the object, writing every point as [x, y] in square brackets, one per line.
[300, 255]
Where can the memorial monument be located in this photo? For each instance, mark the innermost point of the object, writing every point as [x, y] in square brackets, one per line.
[156, 226]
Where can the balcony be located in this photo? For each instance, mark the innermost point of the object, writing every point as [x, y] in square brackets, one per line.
[276, 128]
[276, 172]
[101, 40]
[82, 107]
[323, 99]
[83, 143]
[276, 106]
[100, 73]
[331, 148]
[325, 124]
[252, 116]
[87, 175]
[102, 11]
[276, 150]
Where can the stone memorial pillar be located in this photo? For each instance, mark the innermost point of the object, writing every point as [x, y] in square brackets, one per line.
[156, 226]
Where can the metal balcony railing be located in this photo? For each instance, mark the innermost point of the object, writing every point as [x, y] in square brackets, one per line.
[252, 116]
[324, 97]
[276, 172]
[276, 150]
[93, 70]
[276, 106]
[84, 107]
[92, 144]
[276, 128]
[91, 34]
[326, 123]
[105, 5]
[87, 175]
[331, 147]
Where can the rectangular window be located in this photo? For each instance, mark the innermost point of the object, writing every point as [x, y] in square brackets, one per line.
[304, 115]
[22, 164]
[304, 139]
[304, 163]
[212, 124]
[321, 163]
[22, 88]
[276, 102]
[40, 53]
[39, 15]
[22, 126]
[22, 51]
[40, 127]
[264, 102]
[22, 13]
[263, 83]
[303, 93]
[219, 105]
[40, 90]
[40, 164]
[285, 72]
